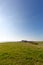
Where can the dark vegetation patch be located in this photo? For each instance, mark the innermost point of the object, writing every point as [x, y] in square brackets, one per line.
[31, 42]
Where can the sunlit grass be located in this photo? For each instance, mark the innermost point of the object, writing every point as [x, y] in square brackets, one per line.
[21, 54]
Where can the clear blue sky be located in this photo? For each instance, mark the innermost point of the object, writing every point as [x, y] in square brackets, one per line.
[21, 19]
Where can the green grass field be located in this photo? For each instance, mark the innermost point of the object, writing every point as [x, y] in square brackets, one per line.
[21, 53]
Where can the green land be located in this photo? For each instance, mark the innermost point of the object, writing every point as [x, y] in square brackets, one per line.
[21, 53]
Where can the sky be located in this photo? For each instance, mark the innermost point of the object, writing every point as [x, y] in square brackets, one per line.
[21, 20]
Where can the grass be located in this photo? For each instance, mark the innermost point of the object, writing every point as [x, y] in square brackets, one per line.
[20, 53]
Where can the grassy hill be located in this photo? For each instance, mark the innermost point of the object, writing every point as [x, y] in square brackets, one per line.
[21, 53]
